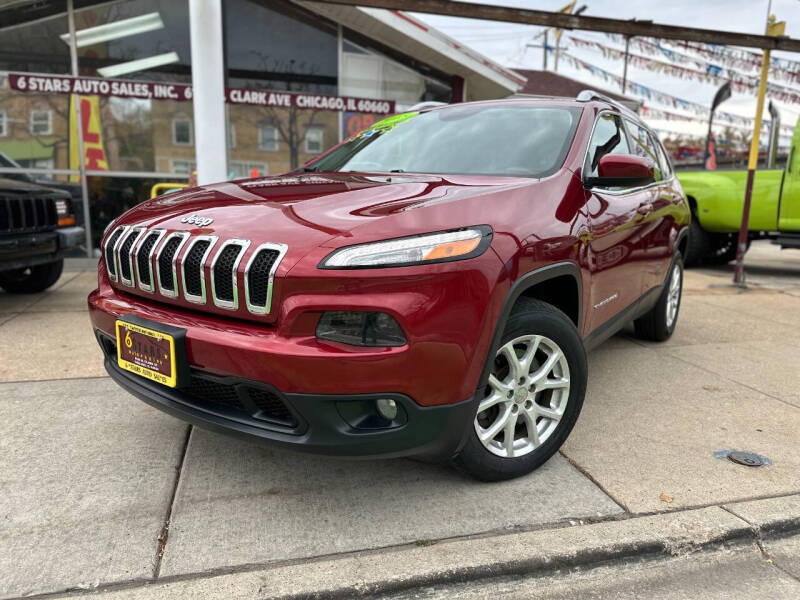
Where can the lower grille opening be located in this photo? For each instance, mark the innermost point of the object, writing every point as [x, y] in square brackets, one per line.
[257, 403]
[234, 397]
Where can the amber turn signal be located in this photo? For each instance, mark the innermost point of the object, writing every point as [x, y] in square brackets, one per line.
[451, 249]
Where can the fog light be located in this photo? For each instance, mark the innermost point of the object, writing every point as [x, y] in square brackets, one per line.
[360, 328]
[387, 408]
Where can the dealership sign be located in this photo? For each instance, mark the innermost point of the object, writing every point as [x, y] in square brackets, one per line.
[150, 90]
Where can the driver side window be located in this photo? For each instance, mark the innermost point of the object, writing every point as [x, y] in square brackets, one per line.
[608, 137]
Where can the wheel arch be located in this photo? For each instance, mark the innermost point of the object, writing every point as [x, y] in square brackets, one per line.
[527, 284]
[682, 241]
[543, 284]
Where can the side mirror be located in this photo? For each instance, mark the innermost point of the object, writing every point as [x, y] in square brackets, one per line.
[622, 170]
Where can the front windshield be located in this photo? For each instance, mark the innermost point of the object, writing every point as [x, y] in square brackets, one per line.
[527, 141]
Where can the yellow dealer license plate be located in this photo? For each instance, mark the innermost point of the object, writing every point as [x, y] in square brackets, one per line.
[146, 352]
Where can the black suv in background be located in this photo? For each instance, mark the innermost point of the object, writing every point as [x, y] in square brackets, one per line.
[37, 224]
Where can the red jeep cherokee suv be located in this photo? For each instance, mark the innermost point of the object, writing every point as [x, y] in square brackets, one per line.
[426, 288]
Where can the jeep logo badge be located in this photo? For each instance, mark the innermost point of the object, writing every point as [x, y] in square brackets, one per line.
[199, 221]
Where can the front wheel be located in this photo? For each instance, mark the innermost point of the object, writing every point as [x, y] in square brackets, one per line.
[533, 397]
[31, 280]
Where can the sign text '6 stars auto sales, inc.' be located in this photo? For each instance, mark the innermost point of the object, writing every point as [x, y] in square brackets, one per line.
[150, 90]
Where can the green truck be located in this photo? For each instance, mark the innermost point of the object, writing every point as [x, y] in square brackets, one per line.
[717, 198]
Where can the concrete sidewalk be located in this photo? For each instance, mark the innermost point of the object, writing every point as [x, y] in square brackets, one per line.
[99, 491]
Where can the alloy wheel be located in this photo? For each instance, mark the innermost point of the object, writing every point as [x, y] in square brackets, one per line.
[673, 295]
[525, 398]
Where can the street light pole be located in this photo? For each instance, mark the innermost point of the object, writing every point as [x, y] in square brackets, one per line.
[773, 29]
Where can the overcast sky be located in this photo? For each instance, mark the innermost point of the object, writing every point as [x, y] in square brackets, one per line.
[506, 43]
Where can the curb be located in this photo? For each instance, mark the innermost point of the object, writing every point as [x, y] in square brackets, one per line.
[541, 552]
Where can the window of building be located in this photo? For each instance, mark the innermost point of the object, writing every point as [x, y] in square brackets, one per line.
[183, 167]
[245, 169]
[314, 140]
[232, 136]
[181, 131]
[3, 123]
[268, 138]
[41, 122]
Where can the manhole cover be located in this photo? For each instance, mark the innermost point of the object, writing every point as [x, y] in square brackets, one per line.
[748, 459]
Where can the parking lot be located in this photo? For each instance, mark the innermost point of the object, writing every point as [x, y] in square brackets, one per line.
[101, 491]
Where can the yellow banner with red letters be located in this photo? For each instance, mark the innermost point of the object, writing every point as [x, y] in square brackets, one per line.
[93, 151]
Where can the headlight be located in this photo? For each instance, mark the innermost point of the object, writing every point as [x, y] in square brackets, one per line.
[64, 212]
[422, 249]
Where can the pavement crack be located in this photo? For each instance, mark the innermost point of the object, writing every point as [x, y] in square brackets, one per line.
[589, 476]
[758, 535]
[163, 536]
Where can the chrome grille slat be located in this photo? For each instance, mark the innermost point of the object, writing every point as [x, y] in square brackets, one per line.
[125, 255]
[257, 267]
[166, 263]
[144, 259]
[112, 244]
[194, 261]
[225, 273]
[148, 260]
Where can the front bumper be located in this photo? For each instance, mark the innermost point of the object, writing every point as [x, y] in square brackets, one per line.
[448, 318]
[316, 423]
[20, 251]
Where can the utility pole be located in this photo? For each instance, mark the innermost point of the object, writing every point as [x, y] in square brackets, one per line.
[625, 66]
[76, 102]
[544, 51]
[773, 29]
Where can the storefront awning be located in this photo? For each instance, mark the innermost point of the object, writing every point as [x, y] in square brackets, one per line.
[485, 79]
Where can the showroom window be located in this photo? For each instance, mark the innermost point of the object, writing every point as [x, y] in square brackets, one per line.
[3, 123]
[245, 169]
[181, 132]
[41, 122]
[183, 167]
[268, 138]
[314, 140]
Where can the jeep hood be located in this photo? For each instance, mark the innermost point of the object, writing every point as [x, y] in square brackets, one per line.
[306, 211]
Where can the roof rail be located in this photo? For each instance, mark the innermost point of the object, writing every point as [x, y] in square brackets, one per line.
[587, 95]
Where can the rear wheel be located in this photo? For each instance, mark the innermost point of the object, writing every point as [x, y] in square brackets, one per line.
[31, 279]
[659, 324]
[699, 246]
[533, 397]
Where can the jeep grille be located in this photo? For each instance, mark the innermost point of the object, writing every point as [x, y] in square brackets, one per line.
[149, 259]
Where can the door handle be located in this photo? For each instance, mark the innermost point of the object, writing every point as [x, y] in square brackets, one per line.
[645, 209]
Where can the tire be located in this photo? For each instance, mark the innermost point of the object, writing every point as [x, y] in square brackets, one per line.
[723, 248]
[31, 280]
[699, 245]
[541, 331]
[659, 323]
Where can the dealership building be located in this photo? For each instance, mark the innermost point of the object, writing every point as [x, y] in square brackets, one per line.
[281, 81]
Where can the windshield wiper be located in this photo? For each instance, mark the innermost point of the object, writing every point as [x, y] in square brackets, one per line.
[397, 171]
[308, 169]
